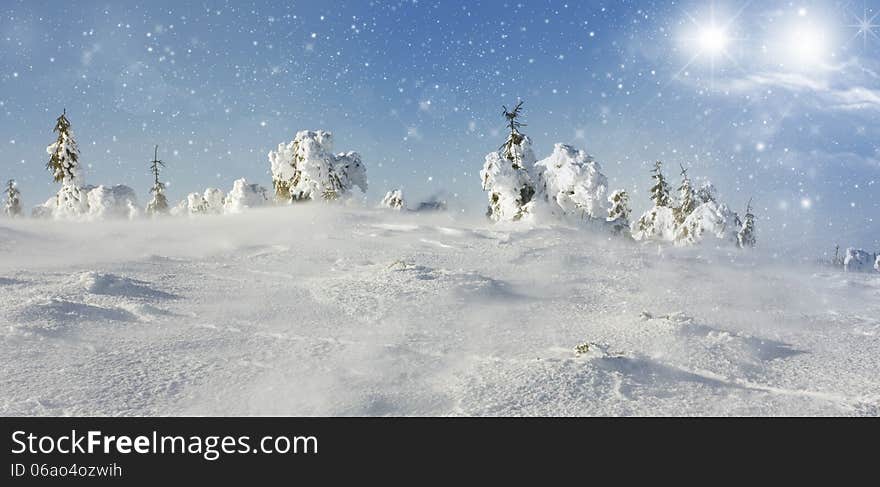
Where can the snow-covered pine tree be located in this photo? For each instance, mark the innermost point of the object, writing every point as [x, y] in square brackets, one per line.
[686, 198]
[659, 221]
[159, 204]
[514, 137]
[394, 200]
[12, 207]
[618, 215]
[505, 174]
[64, 166]
[660, 190]
[706, 193]
[306, 169]
[746, 235]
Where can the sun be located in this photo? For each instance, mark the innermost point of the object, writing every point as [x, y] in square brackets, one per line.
[713, 40]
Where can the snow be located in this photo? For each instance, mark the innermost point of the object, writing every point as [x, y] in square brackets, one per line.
[709, 218]
[213, 199]
[245, 195]
[857, 260]
[572, 183]
[307, 169]
[331, 310]
[658, 223]
[118, 201]
[510, 186]
[393, 200]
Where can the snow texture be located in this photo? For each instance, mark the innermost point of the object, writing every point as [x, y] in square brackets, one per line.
[327, 310]
[658, 224]
[710, 219]
[572, 183]
[118, 201]
[510, 185]
[245, 195]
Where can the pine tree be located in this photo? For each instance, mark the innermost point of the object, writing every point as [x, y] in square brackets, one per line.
[64, 166]
[394, 200]
[746, 235]
[159, 204]
[64, 153]
[506, 172]
[660, 190]
[686, 197]
[12, 208]
[618, 215]
[511, 148]
[658, 223]
[307, 169]
[515, 137]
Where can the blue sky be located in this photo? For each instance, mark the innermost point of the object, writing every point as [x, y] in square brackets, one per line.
[778, 102]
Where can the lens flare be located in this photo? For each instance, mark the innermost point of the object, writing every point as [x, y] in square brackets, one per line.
[712, 40]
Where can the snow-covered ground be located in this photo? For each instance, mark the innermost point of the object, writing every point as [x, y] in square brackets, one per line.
[315, 310]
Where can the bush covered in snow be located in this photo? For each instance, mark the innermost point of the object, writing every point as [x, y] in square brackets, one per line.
[877, 264]
[857, 260]
[658, 223]
[618, 214]
[393, 200]
[118, 201]
[245, 195]
[708, 218]
[306, 169]
[12, 204]
[571, 183]
[208, 203]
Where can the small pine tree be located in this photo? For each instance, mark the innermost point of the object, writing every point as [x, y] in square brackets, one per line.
[64, 166]
[511, 148]
[686, 197]
[746, 235]
[658, 222]
[505, 174]
[515, 137]
[12, 208]
[64, 153]
[660, 190]
[394, 200]
[159, 204]
[618, 215]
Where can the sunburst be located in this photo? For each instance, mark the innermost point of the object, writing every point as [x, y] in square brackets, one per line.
[865, 27]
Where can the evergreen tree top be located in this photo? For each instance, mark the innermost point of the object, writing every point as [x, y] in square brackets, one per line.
[62, 124]
[155, 164]
[660, 190]
[685, 180]
[511, 115]
[64, 153]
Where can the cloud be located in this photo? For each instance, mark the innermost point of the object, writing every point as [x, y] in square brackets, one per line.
[838, 88]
